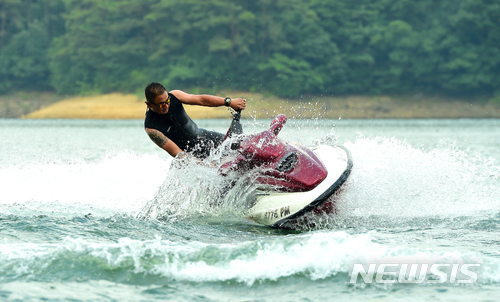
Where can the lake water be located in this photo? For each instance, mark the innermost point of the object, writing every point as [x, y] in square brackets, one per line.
[73, 195]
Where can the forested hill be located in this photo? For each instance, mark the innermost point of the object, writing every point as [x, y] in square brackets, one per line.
[287, 47]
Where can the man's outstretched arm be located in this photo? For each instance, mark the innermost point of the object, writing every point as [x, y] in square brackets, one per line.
[207, 100]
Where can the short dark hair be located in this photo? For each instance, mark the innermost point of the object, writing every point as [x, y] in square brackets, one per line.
[153, 90]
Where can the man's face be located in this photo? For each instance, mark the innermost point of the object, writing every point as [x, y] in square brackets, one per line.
[161, 103]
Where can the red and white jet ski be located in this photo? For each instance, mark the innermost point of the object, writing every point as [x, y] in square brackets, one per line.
[296, 180]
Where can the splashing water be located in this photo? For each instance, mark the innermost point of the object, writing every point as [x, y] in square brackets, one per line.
[391, 180]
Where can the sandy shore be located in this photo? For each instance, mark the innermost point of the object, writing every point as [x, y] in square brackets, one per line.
[119, 106]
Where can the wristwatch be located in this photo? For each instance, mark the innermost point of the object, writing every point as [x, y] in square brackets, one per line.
[227, 101]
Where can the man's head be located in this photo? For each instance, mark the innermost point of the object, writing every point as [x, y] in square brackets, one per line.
[153, 90]
[157, 98]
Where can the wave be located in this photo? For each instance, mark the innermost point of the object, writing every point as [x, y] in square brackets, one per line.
[316, 256]
[393, 178]
[122, 181]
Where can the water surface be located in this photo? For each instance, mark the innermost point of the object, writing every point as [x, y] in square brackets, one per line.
[74, 194]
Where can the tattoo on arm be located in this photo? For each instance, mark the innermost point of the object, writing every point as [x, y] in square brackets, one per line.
[158, 138]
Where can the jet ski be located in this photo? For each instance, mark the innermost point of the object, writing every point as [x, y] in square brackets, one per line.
[293, 181]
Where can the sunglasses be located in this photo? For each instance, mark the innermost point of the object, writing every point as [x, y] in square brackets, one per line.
[163, 104]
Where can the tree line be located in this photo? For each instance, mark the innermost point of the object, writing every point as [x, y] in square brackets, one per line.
[287, 47]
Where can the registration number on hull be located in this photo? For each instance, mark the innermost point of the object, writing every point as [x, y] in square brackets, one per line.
[277, 213]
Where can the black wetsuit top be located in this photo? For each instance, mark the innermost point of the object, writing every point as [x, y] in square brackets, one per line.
[178, 126]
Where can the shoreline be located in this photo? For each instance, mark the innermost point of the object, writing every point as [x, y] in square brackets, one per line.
[120, 106]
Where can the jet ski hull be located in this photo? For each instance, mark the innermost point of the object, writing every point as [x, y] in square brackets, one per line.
[277, 209]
